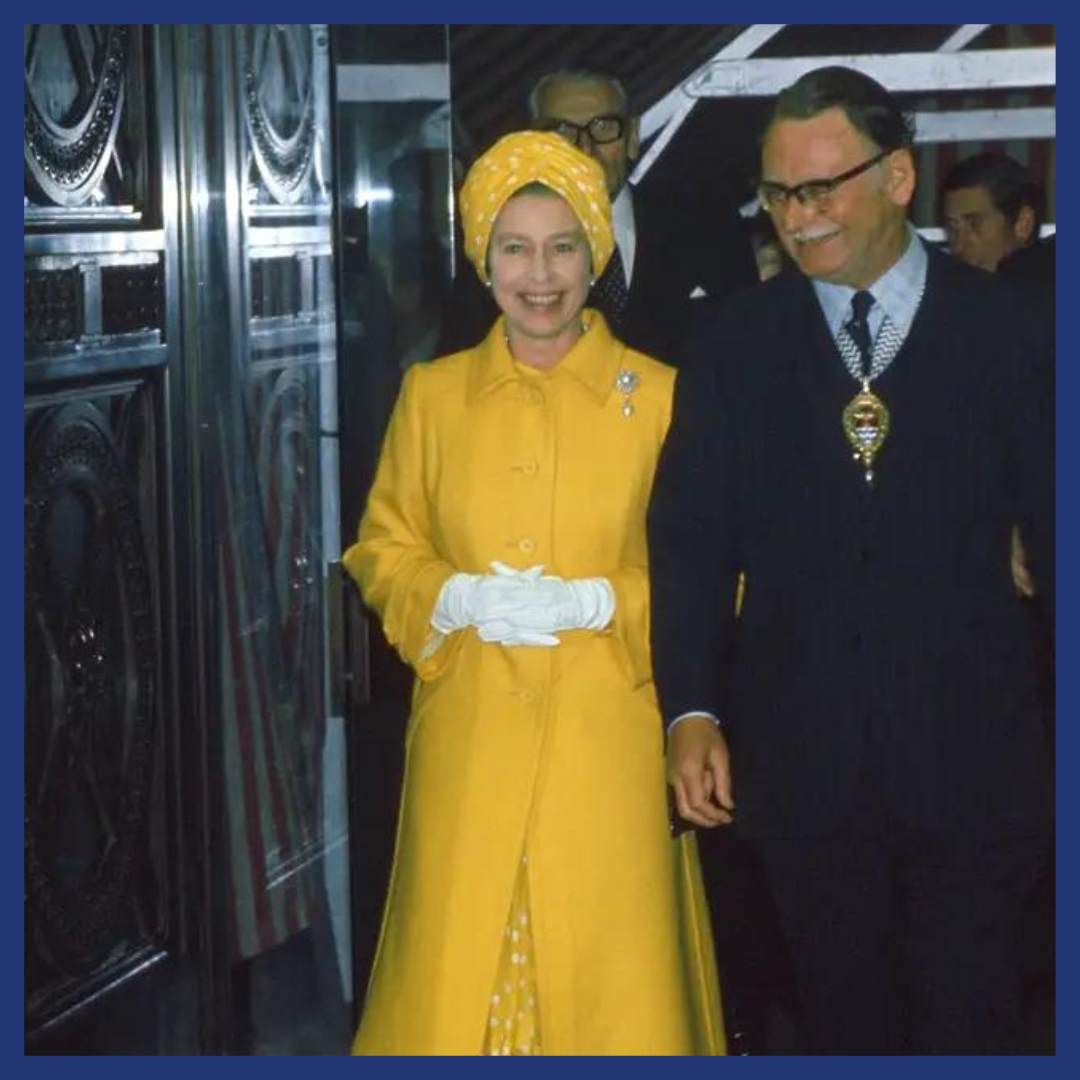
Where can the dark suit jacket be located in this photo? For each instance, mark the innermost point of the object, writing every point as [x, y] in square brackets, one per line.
[880, 671]
[1033, 270]
[677, 251]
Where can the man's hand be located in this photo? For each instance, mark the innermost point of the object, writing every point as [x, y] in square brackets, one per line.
[699, 771]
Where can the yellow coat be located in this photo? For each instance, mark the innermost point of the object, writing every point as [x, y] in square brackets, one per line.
[555, 752]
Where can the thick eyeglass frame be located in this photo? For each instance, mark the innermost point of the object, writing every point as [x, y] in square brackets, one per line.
[774, 196]
[572, 132]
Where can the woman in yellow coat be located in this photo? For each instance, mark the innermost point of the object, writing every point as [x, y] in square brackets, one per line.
[537, 903]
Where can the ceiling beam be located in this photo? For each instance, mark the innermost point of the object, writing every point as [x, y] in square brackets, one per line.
[976, 125]
[989, 69]
[964, 36]
[747, 43]
[675, 106]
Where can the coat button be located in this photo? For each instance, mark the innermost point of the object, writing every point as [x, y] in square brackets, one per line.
[529, 468]
[528, 696]
[527, 546]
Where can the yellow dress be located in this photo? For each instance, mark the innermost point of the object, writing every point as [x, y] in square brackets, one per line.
[554, 754]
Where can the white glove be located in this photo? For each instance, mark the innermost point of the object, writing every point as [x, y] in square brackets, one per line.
[551, 604]
[482, 599]
[520, 607]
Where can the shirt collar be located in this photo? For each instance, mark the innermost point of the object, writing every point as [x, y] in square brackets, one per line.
[896, 293]
[622, 224]
[594, 359]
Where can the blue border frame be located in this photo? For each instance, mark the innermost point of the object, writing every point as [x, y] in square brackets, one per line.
[1067, 394]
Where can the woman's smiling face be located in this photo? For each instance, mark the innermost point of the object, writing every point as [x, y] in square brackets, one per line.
[539, 260]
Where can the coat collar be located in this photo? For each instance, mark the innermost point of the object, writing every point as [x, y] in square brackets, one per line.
[594, 360]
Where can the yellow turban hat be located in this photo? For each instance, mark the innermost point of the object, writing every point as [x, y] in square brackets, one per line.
[528, 157]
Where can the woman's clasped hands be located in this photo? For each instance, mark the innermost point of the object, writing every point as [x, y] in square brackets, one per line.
[522, 607]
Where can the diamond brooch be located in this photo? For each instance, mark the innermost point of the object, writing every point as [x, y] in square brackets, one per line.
[626, 382]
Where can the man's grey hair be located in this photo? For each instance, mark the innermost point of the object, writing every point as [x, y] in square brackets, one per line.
[576, 75]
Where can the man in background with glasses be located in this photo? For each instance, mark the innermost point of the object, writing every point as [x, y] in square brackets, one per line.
[858, 440]
[592, 112]
[666, 254]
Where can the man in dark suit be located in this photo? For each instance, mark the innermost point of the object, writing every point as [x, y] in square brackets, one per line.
[859, 439]
[665, 255]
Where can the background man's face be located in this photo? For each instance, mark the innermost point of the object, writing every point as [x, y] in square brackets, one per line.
[979, 233]
[579, 102]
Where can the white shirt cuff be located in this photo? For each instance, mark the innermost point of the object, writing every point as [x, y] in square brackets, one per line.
[686, 716]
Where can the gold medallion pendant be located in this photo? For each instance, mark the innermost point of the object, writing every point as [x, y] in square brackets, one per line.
[866, 424]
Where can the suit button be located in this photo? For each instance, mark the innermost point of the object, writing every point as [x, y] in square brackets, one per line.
[864, 554]
[528, 696]
[856, 642]
[527, 546]
[529, 468]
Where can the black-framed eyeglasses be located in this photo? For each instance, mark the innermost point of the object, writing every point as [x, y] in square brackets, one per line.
[600, 129]
[773, 196]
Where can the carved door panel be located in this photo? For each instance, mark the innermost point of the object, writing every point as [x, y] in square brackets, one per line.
[107, 909]
[260, 245]
[186, 848]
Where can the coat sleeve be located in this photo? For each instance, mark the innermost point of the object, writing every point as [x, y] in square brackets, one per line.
[694, 559]
[1028, 409]
[630, 625]
[394, 560]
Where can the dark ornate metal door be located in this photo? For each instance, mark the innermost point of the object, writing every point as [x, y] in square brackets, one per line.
[186, 846]
[108, 905]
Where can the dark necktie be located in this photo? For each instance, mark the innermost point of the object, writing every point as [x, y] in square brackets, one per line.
[610, 293]
[859, 328]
